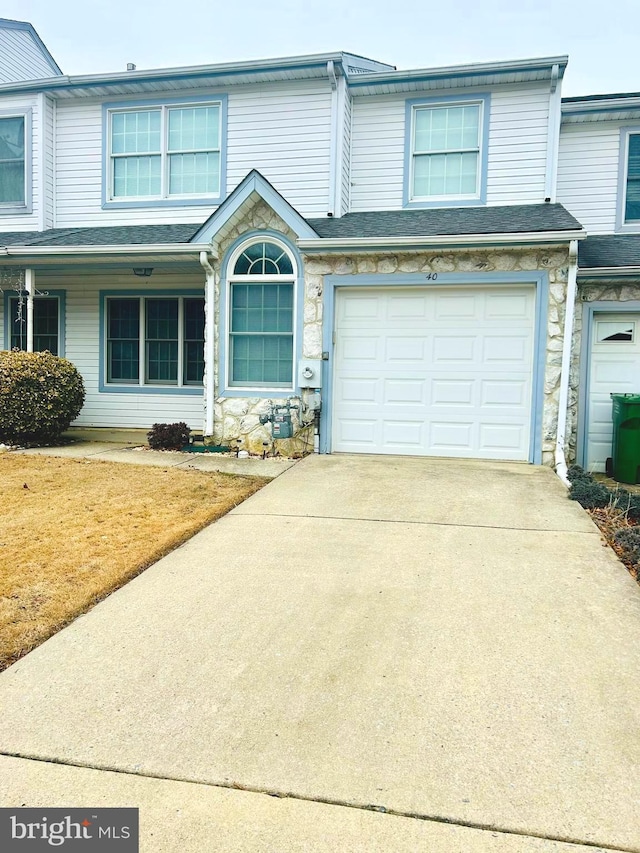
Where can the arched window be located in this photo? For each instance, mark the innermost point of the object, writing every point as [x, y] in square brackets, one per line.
[261, 315]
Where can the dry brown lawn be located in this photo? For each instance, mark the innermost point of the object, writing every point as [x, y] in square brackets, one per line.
[72, 531]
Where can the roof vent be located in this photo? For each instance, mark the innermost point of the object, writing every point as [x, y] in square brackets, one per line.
[131, 66]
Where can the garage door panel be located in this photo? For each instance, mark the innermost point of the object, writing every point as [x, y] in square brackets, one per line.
[436, 372]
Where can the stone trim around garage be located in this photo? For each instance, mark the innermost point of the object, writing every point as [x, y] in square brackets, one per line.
[238, 417]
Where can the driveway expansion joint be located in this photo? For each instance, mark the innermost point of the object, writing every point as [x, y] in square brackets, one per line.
[594, 532]
[370, 807]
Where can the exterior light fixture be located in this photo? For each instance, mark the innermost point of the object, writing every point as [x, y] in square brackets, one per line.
[143, 272]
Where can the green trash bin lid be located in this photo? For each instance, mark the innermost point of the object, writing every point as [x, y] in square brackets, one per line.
[626, 398]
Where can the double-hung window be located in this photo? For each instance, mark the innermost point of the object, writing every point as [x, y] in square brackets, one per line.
[14, 180]
[261, 317]
[445, 158]
[154, 340]
[46, 323]
[163, 153]
[632, 179]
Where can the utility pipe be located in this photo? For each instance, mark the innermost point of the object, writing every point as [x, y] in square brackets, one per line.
[209, 343]
[29, 276]
[565, 370]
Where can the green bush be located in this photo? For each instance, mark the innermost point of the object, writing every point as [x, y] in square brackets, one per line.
[590, 494]
[168, 436]
[40, 394]
[575, 472]
[628, 503]
[628, 540]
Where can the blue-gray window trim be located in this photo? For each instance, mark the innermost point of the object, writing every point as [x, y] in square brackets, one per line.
[621, 225]
[189, 101]
[483, 98]
[60, 295]
[113, 388]
[539, 279]
[259, 392]
[12, 209]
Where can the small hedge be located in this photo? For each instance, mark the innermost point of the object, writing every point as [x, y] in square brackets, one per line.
[40, 395]
[628, 542]
[168, 436]
[594, 495]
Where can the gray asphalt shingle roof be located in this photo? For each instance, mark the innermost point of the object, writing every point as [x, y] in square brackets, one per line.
[104, 236]
[616, 250]
[396, 223]
[513, 219]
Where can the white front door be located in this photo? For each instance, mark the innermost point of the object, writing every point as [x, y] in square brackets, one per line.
[438, 371]
[614, 368]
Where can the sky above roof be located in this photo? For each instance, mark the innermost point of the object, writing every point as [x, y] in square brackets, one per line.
[104, 35]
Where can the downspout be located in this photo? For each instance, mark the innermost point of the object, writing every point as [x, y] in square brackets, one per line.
[333, 164]
[30, 288]
[553, 135]
[209, 342]
[565, 370]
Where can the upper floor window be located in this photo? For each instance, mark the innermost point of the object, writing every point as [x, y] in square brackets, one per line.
[632, 180]
[446, 143]
[164, 153]
[14, 179]
[261, 317]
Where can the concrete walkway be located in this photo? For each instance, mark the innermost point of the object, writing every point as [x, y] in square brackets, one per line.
[406, 654]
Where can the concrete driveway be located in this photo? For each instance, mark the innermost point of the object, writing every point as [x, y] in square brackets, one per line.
[406, 654]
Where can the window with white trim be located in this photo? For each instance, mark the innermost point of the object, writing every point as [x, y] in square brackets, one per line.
[13, 162]
[46, 323]
[445, 151]
[165, 152]
[261, 317]
[154, 340]
[632, 180]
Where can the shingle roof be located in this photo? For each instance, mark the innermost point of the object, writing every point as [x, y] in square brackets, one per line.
[106, 236]
[618, 250]
[397, 223]
[513, 219]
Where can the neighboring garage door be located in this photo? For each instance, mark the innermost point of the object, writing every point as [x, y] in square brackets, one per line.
[614, 369]
[434, 371]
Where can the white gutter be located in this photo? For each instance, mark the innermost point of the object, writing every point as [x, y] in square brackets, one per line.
[412, 243]
[30, 288]
[565, 370]
[129, 249]
[209, 343]
[605, 272]
[553, 135]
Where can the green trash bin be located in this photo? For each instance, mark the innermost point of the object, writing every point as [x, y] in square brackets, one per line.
[626, 437]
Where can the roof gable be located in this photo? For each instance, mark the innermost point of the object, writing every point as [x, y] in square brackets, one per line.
[246, 194]
[23, 54]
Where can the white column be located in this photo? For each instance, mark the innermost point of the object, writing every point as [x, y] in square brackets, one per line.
[29, 286]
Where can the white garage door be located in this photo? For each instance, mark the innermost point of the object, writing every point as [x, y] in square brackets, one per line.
[434, 371]
[614, 369]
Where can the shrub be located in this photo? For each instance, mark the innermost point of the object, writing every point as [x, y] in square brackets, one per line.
[40, 394]
[628, 541]
[628, 503]
[575, 472]
[590, 494]
[168, 436]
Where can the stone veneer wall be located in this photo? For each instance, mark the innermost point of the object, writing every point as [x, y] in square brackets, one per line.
[239, 417]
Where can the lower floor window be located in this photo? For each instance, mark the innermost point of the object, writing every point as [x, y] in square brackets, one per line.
[261, 334]
[46, 323]
[155, 340]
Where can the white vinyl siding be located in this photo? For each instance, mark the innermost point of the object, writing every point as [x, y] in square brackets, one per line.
[112, 409]
[283, 132]
[16, 220]
[588, 173]
[21, 58]
[516, 155]
[48, 214]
